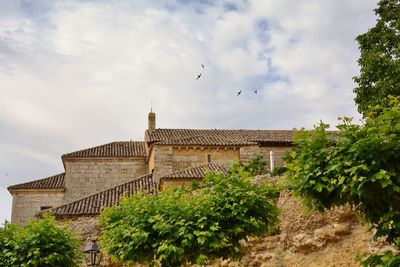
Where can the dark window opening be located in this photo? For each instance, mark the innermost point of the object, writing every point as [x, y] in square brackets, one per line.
[42, 208]
[208, 158]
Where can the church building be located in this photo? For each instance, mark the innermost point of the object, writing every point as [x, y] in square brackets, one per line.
[98, 177]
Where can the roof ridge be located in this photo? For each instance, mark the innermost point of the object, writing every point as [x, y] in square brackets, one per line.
[15, 186]
[137, 151]
[224, 129]
[206, 140]
[204, 136]
[233, 135]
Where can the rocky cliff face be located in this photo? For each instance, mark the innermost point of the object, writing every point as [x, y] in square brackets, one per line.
[309, 238]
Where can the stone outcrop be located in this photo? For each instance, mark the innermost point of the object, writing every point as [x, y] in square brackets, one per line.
[309, 238]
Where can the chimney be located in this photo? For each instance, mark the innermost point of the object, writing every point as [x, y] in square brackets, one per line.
[152, 122]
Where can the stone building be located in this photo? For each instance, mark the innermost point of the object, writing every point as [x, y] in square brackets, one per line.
[98, 177]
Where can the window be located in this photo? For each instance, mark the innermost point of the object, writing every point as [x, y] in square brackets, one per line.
[42, 208]
[208, 158]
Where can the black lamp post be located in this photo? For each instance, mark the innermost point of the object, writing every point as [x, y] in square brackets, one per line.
[92, 254]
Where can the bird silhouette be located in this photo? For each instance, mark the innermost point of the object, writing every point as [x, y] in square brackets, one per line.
[239, 93]
[198, 76]
[255, 91]
[202, 66]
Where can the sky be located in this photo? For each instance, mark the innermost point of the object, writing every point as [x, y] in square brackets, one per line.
[77, 74]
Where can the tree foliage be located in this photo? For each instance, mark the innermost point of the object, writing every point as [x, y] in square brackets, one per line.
[359, 165]
[380, 58]
[40, 243]
[182, 225]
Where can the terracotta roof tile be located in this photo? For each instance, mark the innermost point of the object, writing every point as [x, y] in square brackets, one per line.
[197, 172]
[52, 182]
[114, 149]
[93, 204]
[285, 136]
[206, 141]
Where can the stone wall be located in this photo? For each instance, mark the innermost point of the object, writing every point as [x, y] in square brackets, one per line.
[84, 177]
[87, 228]
[26, 203]
[162, 159]
[248, 152]
[187, 157]
[279, 152]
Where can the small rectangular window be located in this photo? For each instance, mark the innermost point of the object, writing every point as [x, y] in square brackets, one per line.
[208, 158]
[42, 208]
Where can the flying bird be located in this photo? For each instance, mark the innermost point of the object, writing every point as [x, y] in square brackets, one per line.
[202, 66]
[198, 76]
[239, 93]
[255, 91]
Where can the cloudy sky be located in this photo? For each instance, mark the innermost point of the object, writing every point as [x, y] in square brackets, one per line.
[76, 74]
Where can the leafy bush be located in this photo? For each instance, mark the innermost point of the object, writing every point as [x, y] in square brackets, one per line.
[40, 243]
[360, 166]
[257, 166]
[279, 170]
[182, 225]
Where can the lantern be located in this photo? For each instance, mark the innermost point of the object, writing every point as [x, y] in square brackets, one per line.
[92, 254]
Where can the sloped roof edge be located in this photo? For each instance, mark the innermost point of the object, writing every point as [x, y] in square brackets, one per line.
[93, 204]
[53, 182]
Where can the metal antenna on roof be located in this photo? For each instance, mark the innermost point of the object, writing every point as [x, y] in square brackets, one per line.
[151, 106]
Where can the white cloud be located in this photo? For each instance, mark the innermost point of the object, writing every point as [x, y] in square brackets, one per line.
[76, 74]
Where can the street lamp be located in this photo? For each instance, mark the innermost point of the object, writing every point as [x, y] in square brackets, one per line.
[92, 254]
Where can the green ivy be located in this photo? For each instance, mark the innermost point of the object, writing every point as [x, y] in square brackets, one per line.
[359, 165]
[183, 225]
[40, 243]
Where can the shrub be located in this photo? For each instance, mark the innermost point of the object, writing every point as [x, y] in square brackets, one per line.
[40, 243]
[182, 225]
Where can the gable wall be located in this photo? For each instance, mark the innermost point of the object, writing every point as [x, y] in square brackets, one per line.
[88, 176]
[26, 203]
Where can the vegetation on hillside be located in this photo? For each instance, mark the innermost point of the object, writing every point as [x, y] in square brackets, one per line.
[360, 166]
[186, 225]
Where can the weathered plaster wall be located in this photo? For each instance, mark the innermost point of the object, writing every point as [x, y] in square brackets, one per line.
[26, 203]
[88, 176]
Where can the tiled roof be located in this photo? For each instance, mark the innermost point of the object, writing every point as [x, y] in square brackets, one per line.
[114, 149]
[197, 172]
[276, 136]
[52, 182]
[93, 204]
[206, 141]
